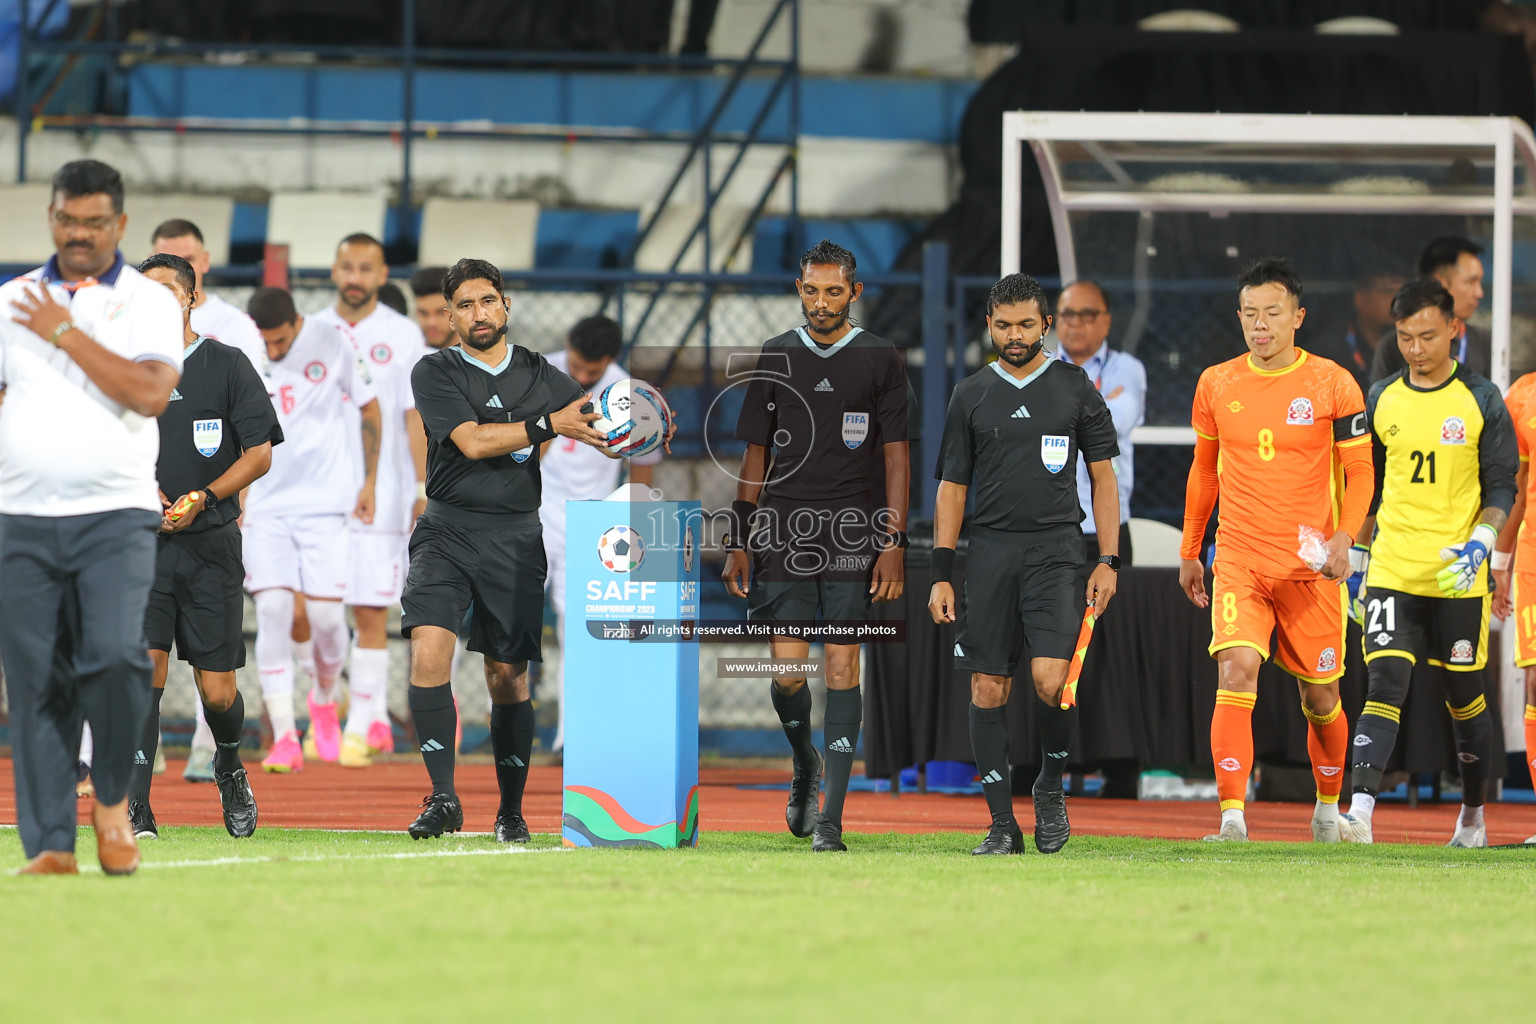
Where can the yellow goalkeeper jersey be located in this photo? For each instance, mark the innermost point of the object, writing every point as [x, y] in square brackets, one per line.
[1442, 455]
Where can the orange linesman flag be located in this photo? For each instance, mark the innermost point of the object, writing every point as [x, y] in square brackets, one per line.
[1074, 670]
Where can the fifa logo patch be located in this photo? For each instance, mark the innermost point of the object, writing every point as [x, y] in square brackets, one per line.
[1453, 431]
[1230, 764]
[1300, 413]
[1461, 652]
[315, 372]
[1328, 661]
[1054, 449]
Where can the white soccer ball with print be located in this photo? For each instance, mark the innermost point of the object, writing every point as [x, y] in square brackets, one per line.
[634, 417]
[621, 549]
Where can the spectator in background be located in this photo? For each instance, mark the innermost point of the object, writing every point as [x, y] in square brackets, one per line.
[1453, 261]
[1354, 344]
[212, 317]
[573, 471]
[431, 308]
[1083, 322]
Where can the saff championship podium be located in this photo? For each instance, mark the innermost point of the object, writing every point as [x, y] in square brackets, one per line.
[631, 674]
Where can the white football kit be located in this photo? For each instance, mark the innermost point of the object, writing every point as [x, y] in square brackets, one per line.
[296, 515]
[389, 345]
[221, 321]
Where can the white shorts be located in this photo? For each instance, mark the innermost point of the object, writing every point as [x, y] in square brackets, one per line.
[305, 554]
[377, 575]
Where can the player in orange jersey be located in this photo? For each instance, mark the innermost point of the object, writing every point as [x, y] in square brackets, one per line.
[1515, 589]
[1272, 426]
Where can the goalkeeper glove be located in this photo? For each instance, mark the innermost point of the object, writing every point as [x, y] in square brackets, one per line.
[1359, 561]
[1465, 561]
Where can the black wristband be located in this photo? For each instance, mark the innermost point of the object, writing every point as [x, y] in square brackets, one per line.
[538, 429]
[943, 565]
[741, 517]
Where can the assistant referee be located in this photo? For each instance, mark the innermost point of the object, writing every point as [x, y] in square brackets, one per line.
[1014, 432]
[216, 437]
[90, 352]
[486, 406]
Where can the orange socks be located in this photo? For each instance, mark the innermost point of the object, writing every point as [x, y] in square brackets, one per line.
[1232, 746]
[1530, 740]
[1327, 746]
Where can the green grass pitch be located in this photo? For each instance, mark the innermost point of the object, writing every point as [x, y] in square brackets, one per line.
[338, 927]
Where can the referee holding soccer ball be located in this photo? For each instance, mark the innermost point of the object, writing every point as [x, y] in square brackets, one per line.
[1013, 434]
[487, 406]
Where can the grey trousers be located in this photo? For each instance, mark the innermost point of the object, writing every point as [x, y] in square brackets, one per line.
[72, 596]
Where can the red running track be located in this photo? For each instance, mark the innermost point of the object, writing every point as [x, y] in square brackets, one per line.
[386, 795]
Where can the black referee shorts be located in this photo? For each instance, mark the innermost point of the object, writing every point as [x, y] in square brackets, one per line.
[1451, 632]
[492, 563]
[1021, 591]
[197, 600]
[806, 559]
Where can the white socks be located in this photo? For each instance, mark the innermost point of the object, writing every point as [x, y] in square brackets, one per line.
[1362, 806]
[328, 626]
[1470, 817]
[1233, 814]
[304, 654]
[370, 679]
[274, 657]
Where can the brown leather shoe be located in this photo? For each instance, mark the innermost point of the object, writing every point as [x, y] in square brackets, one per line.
[116, 848]
[51, 862]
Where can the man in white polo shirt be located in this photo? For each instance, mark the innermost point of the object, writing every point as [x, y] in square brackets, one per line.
[578, 472]
[90, 352]
[389, 344]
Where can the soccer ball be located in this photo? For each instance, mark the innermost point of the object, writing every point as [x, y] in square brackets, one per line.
[634, 416]
[620, 549]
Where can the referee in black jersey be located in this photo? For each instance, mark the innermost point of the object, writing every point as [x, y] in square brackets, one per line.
[216, 437]
[830, 402]
[487, 406]
[1014, 432]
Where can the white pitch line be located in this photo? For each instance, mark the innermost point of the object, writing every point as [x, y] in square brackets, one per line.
[312, 858]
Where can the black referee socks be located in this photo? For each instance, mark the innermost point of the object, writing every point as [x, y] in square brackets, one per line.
[845, 712]
[794, 710]
[512, 746]
[226, 726]
[432, 712]
[1055, 742]
[989, 745]
[144, 754]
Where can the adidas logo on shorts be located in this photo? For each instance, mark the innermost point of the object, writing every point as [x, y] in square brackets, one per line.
[841, 745]
[512, 761]
[495, 403]
[431, 746]
[991, 777]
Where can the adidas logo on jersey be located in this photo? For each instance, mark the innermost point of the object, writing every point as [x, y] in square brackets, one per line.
[1020, 413]
[175, 396]
[495, 403]
[991, 777]
[841, 745]
[825, 385]
[512, 761]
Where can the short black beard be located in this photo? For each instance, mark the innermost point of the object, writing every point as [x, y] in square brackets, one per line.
[1030, 351]
[500, 333]
[837, 323]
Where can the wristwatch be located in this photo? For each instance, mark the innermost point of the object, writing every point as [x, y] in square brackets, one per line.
[895, 538]
[210, 500]
[65, 326]
[1113, 561]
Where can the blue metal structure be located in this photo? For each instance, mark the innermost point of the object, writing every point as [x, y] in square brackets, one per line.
[408, 58]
